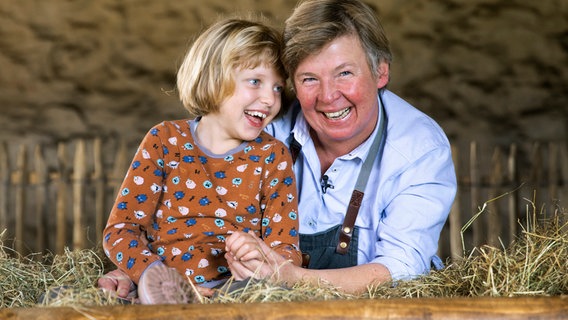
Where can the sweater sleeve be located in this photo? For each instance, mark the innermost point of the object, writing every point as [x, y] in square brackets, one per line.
[280, 217]
[124, 237]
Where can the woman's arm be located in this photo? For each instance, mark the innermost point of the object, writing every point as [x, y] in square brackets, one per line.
[273, 266]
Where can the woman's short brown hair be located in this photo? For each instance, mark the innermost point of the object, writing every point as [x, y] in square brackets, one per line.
[315, 23]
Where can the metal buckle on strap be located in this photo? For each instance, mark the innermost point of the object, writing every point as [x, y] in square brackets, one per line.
[346, 232]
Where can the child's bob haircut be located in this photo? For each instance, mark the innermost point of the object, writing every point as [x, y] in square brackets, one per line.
[206, 76]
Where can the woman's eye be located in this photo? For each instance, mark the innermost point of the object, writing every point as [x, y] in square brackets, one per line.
[344, 73]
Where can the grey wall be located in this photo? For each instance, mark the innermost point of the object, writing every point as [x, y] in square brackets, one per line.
[491, 70]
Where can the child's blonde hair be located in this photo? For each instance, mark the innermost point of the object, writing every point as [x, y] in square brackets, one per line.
[206, 76]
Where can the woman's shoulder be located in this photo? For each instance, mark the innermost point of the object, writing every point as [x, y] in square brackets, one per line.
[409, 127]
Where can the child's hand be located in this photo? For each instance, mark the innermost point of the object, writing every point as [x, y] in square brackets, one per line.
[119, 282]
[242, 246]
[257, 260]
[239, 270]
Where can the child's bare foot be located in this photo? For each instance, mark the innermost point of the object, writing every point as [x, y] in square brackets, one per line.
[163, 285]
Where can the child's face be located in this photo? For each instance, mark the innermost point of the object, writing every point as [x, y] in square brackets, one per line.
[254, 103]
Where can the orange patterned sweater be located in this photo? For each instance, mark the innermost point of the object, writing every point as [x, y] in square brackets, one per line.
[187, 201]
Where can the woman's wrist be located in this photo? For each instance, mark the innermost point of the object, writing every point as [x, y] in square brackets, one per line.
[289, 274]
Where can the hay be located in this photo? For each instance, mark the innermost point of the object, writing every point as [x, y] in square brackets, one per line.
[533, 265]
[264, 291]
[24, 280]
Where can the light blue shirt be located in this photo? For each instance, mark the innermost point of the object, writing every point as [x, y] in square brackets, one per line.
[408, 196]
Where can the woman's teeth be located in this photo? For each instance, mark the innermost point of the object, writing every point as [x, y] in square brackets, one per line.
[339, 114]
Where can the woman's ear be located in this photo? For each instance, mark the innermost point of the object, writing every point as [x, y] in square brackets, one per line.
[383, 78]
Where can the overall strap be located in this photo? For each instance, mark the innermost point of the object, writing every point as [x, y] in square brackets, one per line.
[375, 152]
[295, 146]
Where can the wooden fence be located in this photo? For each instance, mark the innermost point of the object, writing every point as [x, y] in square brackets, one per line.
[502, 189]
[57, 196]
[60, 200]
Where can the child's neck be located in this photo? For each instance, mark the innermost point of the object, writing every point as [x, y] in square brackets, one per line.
[211, 136]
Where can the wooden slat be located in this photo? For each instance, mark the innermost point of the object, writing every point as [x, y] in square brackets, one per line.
[475, 179]
[61, 198]
[99, 180]
[563, 154]
[20, 182]
[41, 180]
[512, 207]
[4, 186]
[536, 177]
[536, 172]
[440, 308]
[492, 215]
[79, 177]
[456, 251]
[553, 171]
[564, 163]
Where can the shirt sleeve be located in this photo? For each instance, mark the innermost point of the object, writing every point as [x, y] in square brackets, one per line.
[280, 217]
[133, 211]
[419, 205]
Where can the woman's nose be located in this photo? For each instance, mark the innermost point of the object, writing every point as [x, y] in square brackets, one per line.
[328, 92]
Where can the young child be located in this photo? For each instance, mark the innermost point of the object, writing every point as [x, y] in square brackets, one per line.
[192, 183]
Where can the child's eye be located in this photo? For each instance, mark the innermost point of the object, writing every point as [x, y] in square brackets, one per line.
[254, 82]
[278, 88]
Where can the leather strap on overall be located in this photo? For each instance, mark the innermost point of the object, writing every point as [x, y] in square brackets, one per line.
[346, 231]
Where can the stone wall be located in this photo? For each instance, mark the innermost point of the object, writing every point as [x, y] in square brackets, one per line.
[490, 70]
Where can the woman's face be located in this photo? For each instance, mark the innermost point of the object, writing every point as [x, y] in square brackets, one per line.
[338, 92]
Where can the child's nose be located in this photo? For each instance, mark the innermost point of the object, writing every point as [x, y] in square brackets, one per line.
[267, 97]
